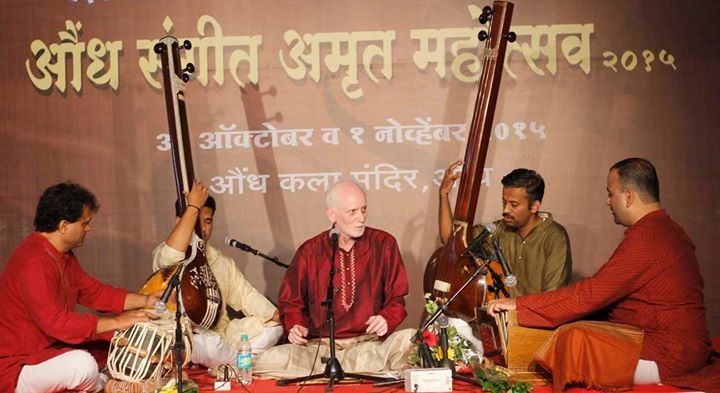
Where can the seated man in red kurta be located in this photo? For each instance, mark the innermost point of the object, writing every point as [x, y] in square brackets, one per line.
[41, 334]
[651, 282]
[370, 287]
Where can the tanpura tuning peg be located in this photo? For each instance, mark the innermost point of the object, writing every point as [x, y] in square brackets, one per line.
[187, 44]
[485, 16]
[189, 69]
[483, 35]
[159, 48]
[511, 36]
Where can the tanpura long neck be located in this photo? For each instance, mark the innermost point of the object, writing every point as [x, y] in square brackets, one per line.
[482, 120]
[183, 169]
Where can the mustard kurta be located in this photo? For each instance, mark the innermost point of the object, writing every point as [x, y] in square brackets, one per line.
[541, 261]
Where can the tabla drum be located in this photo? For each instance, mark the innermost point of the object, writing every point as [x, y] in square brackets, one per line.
[144, 350]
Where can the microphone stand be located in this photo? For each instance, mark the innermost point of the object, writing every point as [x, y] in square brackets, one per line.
[251, 250]
[333, 369]
[179, 345]
[498, 284]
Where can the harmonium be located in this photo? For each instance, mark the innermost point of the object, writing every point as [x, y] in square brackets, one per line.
[513, 346]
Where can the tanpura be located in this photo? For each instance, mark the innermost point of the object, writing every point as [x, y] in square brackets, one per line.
[199, 294]
[453, 264]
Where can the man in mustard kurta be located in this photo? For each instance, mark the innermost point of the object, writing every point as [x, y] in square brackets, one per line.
[536, 247]
[261, 320]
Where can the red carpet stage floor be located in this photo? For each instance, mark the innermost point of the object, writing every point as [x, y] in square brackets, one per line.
[205, 382]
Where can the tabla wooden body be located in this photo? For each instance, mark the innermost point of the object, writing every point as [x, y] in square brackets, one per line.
[144, 350]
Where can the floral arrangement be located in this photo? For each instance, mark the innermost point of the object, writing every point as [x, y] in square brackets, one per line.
[460, 351]
[492, 378]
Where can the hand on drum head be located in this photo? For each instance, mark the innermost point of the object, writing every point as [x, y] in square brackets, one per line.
[129, 318]
[155, 297]
[496, 306]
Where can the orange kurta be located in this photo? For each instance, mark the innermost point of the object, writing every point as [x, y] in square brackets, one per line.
[652, 281]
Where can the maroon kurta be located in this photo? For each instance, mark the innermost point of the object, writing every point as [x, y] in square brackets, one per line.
[39, 289]
[652, 281]
[380, 285]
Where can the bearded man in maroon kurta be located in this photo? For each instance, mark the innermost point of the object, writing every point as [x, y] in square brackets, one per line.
[40, 332]
[369, 305]
[651, 282]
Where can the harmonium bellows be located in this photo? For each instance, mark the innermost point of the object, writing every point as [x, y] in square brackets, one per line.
[519, 346]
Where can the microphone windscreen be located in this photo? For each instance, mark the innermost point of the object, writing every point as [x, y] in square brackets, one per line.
[334, 233]
[443, 320]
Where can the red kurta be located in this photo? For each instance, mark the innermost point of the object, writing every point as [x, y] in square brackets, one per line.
[652, 281]
[39, 289]
[380, 285]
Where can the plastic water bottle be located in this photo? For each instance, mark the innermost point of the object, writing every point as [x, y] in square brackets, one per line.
[244, 360]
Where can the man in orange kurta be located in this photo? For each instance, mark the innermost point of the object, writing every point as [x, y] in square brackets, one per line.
[652, 282]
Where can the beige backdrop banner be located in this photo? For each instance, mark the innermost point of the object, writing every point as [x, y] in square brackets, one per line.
[291, 96]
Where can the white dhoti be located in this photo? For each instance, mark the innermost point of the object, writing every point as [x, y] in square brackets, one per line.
[364, 354]
[74, 370]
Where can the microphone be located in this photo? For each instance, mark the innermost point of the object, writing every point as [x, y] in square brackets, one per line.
[444, 345]
[334, 236]
[476, 249]
[161, 305]
[510, 279]
[234, 243]
[488, 230]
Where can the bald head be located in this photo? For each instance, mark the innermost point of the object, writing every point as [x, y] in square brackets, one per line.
[347, 210]
[341, 191]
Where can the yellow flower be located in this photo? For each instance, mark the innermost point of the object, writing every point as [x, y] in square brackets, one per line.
[451, 353]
